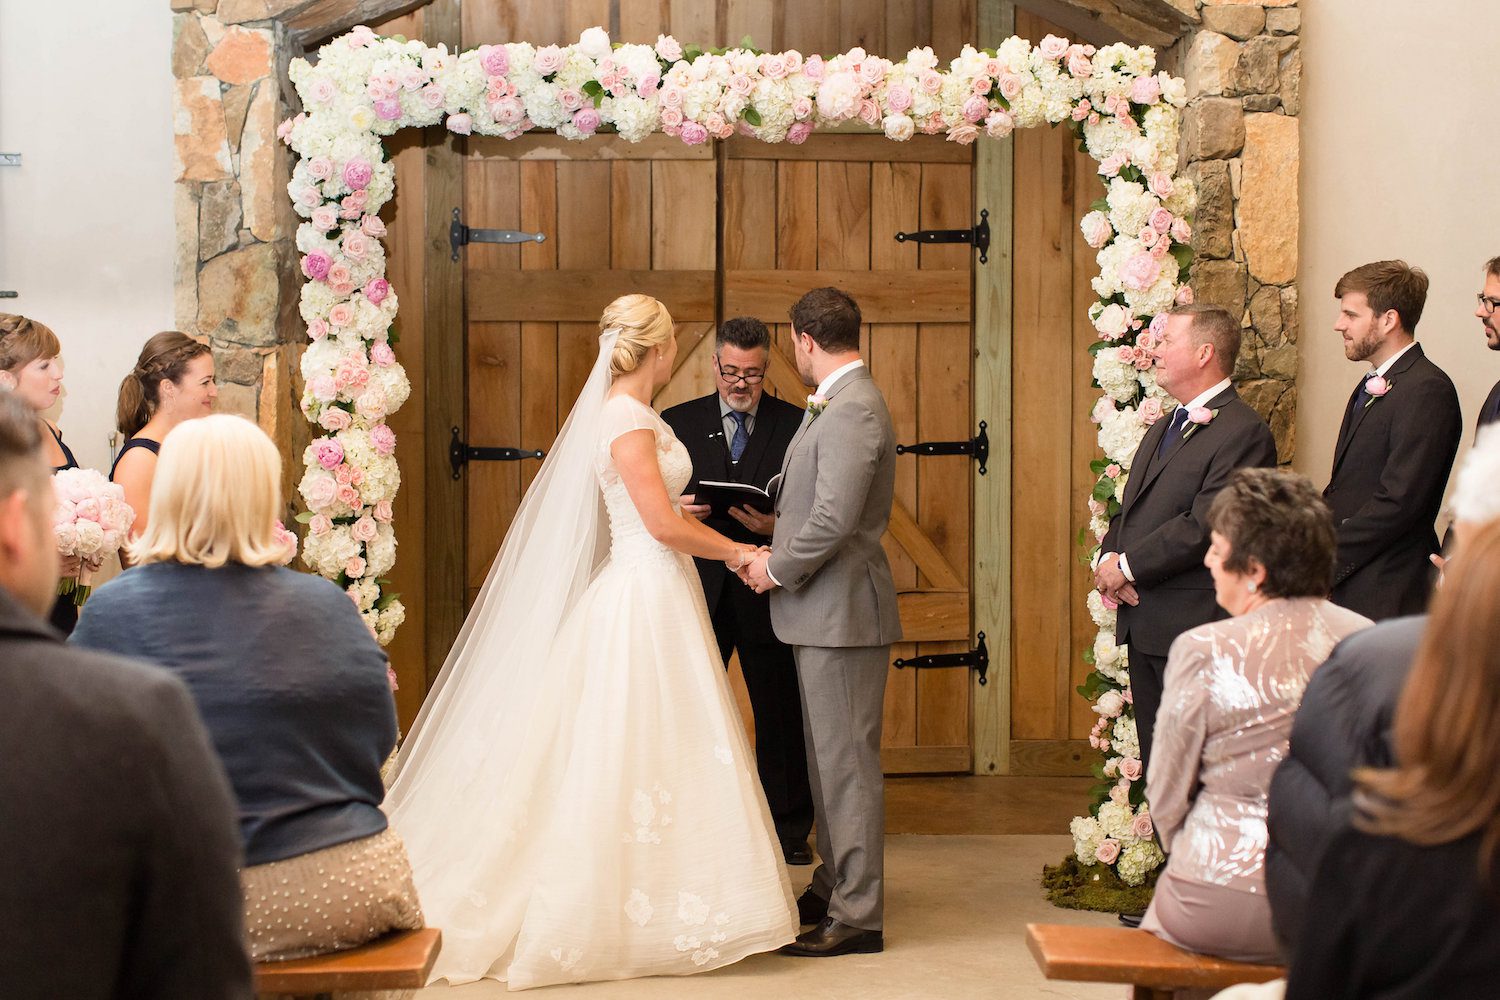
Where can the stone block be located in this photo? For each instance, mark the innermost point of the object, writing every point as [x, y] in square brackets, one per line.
[189, 46]
[1276, 401]
[1268, 211]
[263, 170]
[185, 261]
[1255, 103]
[1220, 283]
[1211, 59]
[239, 400]
[236, 106]
[1265, 314]
[243, 55]
[1291, 315]
[1259, 67]
[1213, 128]
[237, 364]
[218, 218]
[1247, 364]
[1236, 175]
[1291, 81]
[1285, 21]
[1249, 3]
[1236, 21]
[1213, 222]
[202, 146]
[201, 6]
[241, 11]
[1280, 362]
[239, 296]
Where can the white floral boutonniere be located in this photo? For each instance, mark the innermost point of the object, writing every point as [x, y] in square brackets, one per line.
[1377, 386]
[1198, 416]
[816, 404]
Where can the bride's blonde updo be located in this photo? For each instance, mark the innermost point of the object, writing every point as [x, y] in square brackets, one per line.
[644, 326]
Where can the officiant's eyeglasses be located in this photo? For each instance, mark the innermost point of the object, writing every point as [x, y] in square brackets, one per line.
[733, 375]
[1487, 305]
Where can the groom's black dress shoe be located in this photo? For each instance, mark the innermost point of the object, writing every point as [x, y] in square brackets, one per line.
[811, 908]
[796, 852]
[832, 938]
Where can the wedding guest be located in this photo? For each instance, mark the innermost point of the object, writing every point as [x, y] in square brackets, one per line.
[1403, 904]
[1395, 447]
[1489, 301]
[118, 832]
[1345, 719]
[1152, 562]
[290, 683]
[31, 367]
[172, 381]
[1232, 688]
[740, 434]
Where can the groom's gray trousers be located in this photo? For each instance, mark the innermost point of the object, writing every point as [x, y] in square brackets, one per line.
[843, 695]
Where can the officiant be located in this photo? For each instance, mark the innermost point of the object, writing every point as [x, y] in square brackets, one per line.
[738, 434]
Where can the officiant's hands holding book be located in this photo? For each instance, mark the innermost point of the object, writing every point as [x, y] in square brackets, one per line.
[761, 524]
[690, 504]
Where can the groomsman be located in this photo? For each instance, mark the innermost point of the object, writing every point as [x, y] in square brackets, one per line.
[740, 434]
[1395, 447]
[1152, 562]
[1489, 301]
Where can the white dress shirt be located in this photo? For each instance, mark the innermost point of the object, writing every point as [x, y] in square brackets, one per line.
[1392, 360]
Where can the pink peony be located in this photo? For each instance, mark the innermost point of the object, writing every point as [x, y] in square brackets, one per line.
[388, 110]
[321, 491]
[1130, 767]
[838, 97]
[976, 108]
[586, 121]
[1053, 47]
[1145, 90]
[1376, 386]
[461, 123]
[694, 134]
[383, 438]
[316, 264]
[1097, 230]
[328, 453]
[1200, 415]
[322, 388]
[999, 124]
[1107, 851]
[376, 290]
[1104, 408]
[1150, 410]
[358, 173]
[1140, 271]
[1142, 827]
[382, 355]
[799, 132]
[1158, 325]
[494, 60]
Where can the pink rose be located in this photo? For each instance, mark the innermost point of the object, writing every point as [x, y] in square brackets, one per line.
[981, 86]
[714, 123]
[1182, 231]
[341, 289]
[802, 108]
[284, 130]
[1107, 851]
[383, 438]
[1079, 64]
[1112, 470]
[508, 111]
[975, 108]
[648, 84]
[316, 264]
[898, 98]
[869, 112]
[667, 48]
[1145, 90]
[388, 110]
[1140, 271]
[1161, 219]
[383, 512]
[741, 84]
[586, 121]
[328, 453]
[348, 495]
[1081, 110]
[1150, 410]
[799, 132]
[930, 83]
[1053, 47]
[335, 419]
[344, 475]
[372, 226]
[1097, 230]
[1184, 295]
[694, 134]
[325, 217]
[1142, 826]
[570, 99]
[341, 314]
[354, 568]
[671, 118]
[494, 60]
[1125, 354]
[814, 68]
[1011, 86]
[773, 67]
[963, 134]
[1111, 165]
[364, 530]
[1096, 507]
[1200, 415]
[321, 491]
[432, 96]
[1104, 408]
[321, 524]
[1130, 767]
[671, 97]
[317, 329]
[339, 274]
[320, 167]
[377, 290]
[1148, 237]
[1161, 184]
[549, 59]
[793, 61]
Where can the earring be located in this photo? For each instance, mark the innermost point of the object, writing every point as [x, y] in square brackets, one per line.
[1252, 586]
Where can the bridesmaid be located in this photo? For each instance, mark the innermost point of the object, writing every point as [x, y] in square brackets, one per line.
[172, 381]
[31, 367]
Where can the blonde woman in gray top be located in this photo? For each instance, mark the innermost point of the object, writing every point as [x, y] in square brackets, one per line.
[1232, 689]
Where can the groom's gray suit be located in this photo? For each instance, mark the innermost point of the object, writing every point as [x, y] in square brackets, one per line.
[836, 607]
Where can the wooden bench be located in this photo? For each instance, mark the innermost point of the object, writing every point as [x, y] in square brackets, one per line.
[395, 962]
[1150, 965]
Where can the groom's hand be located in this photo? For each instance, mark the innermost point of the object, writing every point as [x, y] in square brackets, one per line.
[756, 574]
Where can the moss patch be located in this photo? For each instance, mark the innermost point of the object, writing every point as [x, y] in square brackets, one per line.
[1096, 887]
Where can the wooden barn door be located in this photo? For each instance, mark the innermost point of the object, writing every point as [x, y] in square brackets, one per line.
[826, 213]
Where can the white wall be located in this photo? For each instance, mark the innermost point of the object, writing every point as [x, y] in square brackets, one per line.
[86, 231]
[1400, 158]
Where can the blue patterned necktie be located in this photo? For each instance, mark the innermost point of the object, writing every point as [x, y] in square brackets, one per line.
[741, 436]
[1174, 431]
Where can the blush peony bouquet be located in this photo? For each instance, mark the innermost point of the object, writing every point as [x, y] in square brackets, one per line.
[91, 521]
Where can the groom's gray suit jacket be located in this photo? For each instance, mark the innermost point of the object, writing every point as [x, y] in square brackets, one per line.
[833, 506]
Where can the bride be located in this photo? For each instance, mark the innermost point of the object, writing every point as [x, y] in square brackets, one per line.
[576, 796]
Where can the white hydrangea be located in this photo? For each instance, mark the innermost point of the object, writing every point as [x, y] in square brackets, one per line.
[1117, 379]
[380, 554]
[1120, 435]
[1115, 819]
[1103, 617]
[1124, 739]
[1138, 860]
[327, 554]
[1130, 206]
[1087, 835]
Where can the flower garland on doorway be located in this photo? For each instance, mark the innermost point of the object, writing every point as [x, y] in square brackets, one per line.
[363, 87]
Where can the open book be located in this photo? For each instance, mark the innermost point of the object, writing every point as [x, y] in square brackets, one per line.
[722, 496]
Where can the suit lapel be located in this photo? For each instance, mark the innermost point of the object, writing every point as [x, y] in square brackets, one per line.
[713, 427]
[1157, 465]
[843, 383]
[1357, 417]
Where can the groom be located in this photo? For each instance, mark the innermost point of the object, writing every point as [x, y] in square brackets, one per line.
[833, 600]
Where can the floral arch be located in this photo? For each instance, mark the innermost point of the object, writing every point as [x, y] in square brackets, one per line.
[363, 87]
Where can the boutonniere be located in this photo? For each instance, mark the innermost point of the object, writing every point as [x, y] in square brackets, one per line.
[1377, 386]
[816, 404]
[1198, 416]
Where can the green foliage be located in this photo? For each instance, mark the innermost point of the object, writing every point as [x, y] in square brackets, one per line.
[594, 89]
[1183, 254]
[1075, 886]
[752, 116]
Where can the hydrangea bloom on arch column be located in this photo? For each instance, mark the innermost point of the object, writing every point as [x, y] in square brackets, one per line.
[363, 87]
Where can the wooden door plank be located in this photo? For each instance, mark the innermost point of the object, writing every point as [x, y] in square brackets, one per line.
[694, 21]
[580, 296]
[577, 350]
[539, 214]
[582, 211]
[883, 296]
[641, 21]
[796, 222]
[752, 18]
[952, 28]
[908, 25]
[934, 616]
[551, 146]
[844, 218]
[862, 24]
[630, 215]
[684, 210]
[540, 414]
[749, 215]
[492, 201]
[494, 419]
[926, 760]
[580, 15]
[851, 147]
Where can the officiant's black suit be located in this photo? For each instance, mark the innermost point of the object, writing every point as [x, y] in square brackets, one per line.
[1162, 529]
[741, 617]
[1390, 468]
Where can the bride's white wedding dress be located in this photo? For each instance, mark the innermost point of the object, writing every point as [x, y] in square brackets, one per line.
[616, 828]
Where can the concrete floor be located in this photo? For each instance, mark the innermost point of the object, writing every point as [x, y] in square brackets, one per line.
[963, 866]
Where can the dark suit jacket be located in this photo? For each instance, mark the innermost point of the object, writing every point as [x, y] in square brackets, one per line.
[1344, 722]
[1389, 472]
[1489, 412]
[699, 424]
[118, 840]
[1162, 526]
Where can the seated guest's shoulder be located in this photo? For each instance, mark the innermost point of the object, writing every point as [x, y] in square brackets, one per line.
[97, 691]
[1340, 620]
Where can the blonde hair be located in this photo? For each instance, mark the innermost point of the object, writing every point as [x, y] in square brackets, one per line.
[215, 497]
[643, 323]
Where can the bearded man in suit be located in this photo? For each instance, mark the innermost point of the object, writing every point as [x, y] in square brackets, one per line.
[1152, 562]
[740, 434]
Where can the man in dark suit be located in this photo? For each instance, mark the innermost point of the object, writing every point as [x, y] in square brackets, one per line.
[1485, 312]
[739, 434]
[119, 832]
[1152, 555]
[1395, 447]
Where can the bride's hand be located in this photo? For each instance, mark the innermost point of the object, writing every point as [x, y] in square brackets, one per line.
[741, 558]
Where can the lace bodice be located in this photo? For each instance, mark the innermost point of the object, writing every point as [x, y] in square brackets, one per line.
[628, 534]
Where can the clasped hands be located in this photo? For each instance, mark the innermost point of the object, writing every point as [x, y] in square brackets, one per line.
[750, 566]
[1111, 583]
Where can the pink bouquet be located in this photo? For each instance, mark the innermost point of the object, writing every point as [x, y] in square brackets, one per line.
[91, 521]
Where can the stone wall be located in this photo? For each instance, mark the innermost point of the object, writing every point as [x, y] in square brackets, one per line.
[1243, 68]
